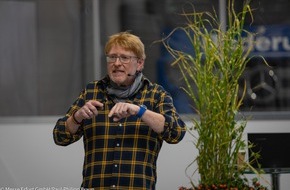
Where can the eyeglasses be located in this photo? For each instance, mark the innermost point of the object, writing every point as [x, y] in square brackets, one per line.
[122, 58]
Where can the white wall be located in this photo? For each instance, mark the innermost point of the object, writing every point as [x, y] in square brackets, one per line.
[29, 157]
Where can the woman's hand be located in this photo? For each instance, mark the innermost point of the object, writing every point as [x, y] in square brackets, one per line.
[122, 110]
[89, 110]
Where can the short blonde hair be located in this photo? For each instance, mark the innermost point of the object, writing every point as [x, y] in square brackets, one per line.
[127, 41]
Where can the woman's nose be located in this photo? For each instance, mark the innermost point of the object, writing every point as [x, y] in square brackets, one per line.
[118, 61]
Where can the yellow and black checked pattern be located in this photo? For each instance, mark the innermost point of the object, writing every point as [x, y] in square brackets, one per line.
[121, 155]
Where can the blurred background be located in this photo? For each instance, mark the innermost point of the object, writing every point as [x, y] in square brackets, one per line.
[49, 50]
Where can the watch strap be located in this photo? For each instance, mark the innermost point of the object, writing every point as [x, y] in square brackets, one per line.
[141, 111]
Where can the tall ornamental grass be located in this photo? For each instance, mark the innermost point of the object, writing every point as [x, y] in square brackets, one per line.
[211, 74]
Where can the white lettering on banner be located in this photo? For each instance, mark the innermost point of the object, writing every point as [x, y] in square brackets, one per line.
[264, 43]
[272, 42]
[286, 44]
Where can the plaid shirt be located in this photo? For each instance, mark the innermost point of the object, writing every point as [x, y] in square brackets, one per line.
[121, 155]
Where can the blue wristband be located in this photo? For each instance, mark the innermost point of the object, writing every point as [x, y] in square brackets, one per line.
[141, 111]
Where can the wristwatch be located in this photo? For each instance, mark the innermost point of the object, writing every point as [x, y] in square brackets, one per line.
[141, 111]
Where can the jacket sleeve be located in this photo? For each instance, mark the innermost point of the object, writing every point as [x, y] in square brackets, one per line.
[61, 135]
[174, 128]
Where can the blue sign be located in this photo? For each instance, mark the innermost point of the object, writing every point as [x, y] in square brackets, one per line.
[269, 41]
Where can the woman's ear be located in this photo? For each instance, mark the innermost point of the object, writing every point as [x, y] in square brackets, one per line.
[140, 65]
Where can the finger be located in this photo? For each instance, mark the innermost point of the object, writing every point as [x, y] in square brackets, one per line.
[116, 119]
[97, 104]
[123, 109]
[90, 108]
[118, 109]
[90, 113]
[93, 109]
[87, 113]
[84, 114]
[112, 112]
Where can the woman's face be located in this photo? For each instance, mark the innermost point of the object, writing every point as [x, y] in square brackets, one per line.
[122, 66]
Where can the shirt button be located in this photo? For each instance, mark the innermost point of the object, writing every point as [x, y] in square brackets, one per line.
[113, 186]
[118, 144]
[120, 124]
[116, 165]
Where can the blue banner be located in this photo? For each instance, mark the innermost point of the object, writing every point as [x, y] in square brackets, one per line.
[270, 41]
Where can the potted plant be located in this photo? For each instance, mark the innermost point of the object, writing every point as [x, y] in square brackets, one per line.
[212, 74]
